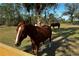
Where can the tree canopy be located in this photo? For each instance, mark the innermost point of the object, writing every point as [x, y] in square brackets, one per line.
[12, 13]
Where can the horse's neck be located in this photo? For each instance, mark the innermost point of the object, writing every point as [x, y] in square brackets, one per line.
[31, 30]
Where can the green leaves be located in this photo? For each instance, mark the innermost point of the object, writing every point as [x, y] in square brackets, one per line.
[70, 10]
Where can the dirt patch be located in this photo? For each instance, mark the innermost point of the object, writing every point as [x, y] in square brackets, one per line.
[9, 51]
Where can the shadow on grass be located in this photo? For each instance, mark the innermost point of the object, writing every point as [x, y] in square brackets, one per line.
[48, 51]
[51, 51]
[65, 33]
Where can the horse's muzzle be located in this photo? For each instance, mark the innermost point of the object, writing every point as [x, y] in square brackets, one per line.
[18, 44]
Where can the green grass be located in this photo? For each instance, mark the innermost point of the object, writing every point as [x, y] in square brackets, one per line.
[8, 35]
[69, 32]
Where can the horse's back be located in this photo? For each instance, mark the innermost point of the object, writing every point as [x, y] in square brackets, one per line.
[55, 24]
[44, 30]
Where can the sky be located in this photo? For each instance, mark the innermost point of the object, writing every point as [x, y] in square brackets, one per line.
[59, 11]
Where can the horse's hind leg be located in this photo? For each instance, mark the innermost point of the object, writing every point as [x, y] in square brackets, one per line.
[50, 39]
[58, 26]
[53, 27]
[49, 42]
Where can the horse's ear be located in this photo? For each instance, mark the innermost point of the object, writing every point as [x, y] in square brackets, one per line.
[22, 22]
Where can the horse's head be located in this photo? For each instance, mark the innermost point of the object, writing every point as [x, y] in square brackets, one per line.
[21, 33]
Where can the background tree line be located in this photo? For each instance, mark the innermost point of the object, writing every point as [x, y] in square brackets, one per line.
[11, 14]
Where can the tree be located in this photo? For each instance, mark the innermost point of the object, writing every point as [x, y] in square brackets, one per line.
[51, 19]
[76, 15]
[10, 14]
[70, 10]
[38, 7]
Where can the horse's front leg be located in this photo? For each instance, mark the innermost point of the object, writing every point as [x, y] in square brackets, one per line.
[37, 49]
[59, 26]
[33, 46]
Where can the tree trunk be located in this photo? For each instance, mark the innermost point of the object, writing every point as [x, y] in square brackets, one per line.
[30, 16]
[71, 18]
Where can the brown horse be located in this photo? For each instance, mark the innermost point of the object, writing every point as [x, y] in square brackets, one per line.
[56, 24]
[36, 33]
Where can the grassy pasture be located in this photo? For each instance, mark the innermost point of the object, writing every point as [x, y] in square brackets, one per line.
[64, 41]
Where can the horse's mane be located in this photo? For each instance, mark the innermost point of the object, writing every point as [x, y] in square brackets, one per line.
[22, 22]
[30, 25]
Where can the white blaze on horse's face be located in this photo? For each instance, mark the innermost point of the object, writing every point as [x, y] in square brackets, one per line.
[17, 35]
